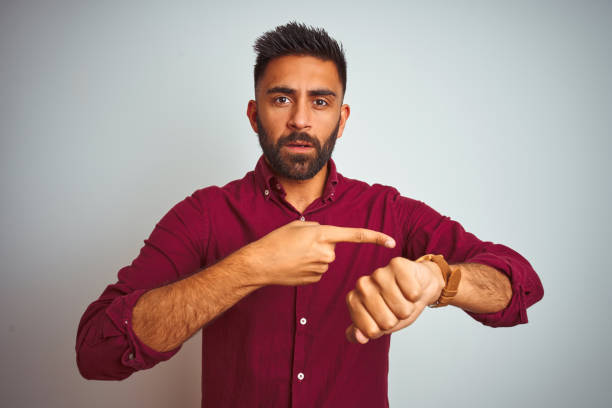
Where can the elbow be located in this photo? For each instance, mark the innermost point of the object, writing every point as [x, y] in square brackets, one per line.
[91, 371]
[97, 364]
[100, 346]
[533, 290]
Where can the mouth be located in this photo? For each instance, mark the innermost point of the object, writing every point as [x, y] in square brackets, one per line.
[299, 143]
[299, 146]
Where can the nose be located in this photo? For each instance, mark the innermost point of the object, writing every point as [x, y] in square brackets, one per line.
[300, 116]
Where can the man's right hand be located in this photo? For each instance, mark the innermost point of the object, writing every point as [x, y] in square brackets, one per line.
[300, 252]
[297, 253]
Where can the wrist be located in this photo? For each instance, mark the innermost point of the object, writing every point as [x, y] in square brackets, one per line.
[436, 275]
[238, 270]
[249, 265]
[450, 275]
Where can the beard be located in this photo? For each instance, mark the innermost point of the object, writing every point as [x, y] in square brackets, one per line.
[296, 166]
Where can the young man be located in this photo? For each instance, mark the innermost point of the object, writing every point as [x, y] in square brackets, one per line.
[295, 273]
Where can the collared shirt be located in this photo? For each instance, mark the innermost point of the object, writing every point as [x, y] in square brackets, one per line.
[284, 346]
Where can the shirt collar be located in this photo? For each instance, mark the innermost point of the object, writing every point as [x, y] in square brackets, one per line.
[267, 182]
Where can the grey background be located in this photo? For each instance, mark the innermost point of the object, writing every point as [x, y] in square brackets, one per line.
[497, 114]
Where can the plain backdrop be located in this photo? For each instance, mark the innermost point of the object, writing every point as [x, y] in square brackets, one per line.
[495, 113]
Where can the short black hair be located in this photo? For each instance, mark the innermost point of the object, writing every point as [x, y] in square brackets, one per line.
[296, 38]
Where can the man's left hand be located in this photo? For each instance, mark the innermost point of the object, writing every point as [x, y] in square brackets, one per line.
[391, 298]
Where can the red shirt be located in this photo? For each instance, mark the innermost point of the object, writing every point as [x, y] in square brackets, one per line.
[285, 346]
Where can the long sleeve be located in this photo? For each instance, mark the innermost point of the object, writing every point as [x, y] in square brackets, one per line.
[427, 231]
[106, 346]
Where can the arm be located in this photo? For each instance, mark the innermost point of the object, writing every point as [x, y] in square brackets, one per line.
[394, 296]
[496, 288]
[427, 231]
[107, 347]
[482, 289]
[166, 317]
[159, 298]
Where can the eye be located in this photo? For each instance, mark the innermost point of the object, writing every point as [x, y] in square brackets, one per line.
[320, 102]
[281, 99]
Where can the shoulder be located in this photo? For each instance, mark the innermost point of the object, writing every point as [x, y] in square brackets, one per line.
[380, 197]
[353, 188]
[235, 189]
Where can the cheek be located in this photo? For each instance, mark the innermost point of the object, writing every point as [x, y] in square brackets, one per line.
[277, 118]
[274, 123]
[330, 121]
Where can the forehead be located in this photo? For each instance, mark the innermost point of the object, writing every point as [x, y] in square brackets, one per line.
[301, 73]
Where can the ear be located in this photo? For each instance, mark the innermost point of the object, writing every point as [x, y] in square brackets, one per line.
[252, 114]
[345, 112]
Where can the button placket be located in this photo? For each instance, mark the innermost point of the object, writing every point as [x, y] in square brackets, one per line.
[302, 301]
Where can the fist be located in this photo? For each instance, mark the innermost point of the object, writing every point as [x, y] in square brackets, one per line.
[391, 298]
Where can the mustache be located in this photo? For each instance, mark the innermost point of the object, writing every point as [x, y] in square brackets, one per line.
[295, 136]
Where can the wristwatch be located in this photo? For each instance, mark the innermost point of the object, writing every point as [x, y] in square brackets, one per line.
[451, 276]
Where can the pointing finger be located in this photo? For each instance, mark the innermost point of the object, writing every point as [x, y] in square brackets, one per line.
[335, 234]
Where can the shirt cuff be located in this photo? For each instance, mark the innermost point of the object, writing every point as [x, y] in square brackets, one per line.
[516, 311]
[138, 355]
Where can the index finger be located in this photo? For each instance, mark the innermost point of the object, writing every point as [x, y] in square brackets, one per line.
[335, 234]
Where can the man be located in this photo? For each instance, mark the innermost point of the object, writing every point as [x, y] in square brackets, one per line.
[295, 273]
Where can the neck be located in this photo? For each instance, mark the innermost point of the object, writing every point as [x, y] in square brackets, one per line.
[300, 193]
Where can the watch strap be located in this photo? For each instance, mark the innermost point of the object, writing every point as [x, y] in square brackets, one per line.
[451, 276]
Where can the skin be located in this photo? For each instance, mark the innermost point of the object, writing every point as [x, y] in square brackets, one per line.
[297, 253]
[304, 94]
[393, 297]
[300, 94]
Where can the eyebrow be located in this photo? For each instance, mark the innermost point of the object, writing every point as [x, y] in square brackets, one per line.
[290, 91]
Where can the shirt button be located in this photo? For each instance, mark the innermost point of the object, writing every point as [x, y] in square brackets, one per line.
[131, 356]
[266, 192]
[278, 186]
[302, 218]
[303, 321]
[300, 376]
